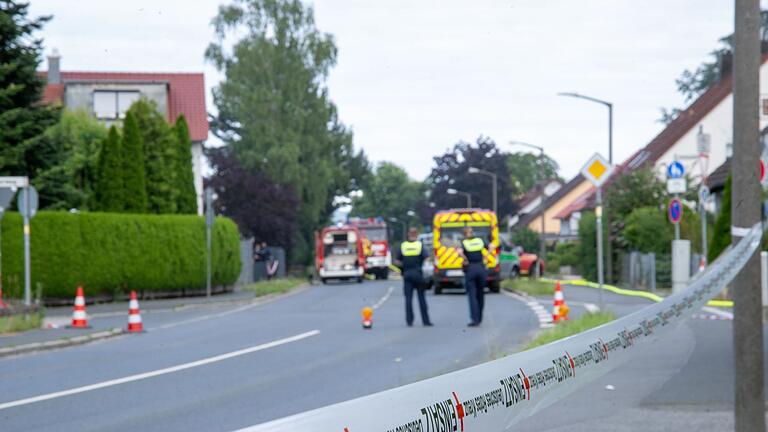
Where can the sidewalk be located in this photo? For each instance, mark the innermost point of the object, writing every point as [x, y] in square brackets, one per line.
[108, 320]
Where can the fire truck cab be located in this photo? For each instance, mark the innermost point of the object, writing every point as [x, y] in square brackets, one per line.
[378, 256]
[340, 253]
[448, 231]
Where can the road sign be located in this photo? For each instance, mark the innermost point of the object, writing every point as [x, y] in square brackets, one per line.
[22, 200]
[703, 193]
[6, 195]
[676, 185]
[675, 170]
[597, 170]
[675, 210]
[703, 143]
[14, 182]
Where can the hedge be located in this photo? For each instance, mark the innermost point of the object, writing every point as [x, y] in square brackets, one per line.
[110, 253]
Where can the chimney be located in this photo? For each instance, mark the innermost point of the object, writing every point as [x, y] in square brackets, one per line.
[54, 69]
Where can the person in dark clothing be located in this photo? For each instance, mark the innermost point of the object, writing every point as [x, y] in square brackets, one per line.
[473, 251]
[410, 259]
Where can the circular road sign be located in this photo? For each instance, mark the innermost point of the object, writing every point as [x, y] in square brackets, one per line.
[703, 193]
[675, 210]
[675, 170]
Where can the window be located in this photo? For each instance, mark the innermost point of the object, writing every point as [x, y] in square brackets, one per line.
[113, 104]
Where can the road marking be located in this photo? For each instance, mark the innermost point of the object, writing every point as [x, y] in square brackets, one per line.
[385, 298]
[720, 313]
[591, 307]
[158, 372]
[544, 317]
[205, 317]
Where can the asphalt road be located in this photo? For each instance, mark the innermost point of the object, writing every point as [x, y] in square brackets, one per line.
[233, 366]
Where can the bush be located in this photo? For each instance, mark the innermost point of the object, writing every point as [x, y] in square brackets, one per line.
[587, 246]
[528, 239]
[111, 253]
[648, 230]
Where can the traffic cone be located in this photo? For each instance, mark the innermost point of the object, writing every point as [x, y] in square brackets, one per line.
[559, 308]
[367, 318]
[134, 315]
[2, 303]
[702, 264]
[79, 318]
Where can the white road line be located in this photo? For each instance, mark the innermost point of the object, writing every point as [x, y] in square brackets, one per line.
[385, 298]
[718, 312]
[158, 372]
[544, 317]
[591, 307]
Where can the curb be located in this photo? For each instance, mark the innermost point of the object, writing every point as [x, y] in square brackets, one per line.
[60, 343]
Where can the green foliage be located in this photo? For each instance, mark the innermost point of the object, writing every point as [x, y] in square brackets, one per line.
[588, 246]
[274, 110]
[70, 183]
[21, 322]
[390, 193]
[571, 327]
[534, 287]
[109, 194]
[721, 235]
[648, 230]
[528, 239]
[568, 253]
[113, 253]
[22, 119]
[632, 190]
[160, 148]
[528, 169]
[134, 186]
[186, 200]
[274, 286]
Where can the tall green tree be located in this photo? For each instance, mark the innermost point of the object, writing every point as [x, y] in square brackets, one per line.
[527, 169]
[70, 183]
[132, 155]
[273, 105]
[721, 235]
[160, 160]
[109, 193]
[634, 189]
[186, 200]
[22, 119]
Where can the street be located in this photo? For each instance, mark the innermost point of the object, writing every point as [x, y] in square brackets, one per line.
[341, 362]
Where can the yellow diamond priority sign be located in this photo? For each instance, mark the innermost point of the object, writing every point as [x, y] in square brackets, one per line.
[597, 170]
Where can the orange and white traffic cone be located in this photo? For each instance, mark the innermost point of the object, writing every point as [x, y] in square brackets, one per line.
[367, 318]
[702, 264]
[559, 308]
[79, 318]
[134, 315]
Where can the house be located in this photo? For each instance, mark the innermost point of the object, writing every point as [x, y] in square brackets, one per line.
[699, 137]
[531, 201]
[108, 95]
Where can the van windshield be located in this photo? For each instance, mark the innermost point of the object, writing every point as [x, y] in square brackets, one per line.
[375, 234]
[451, 236]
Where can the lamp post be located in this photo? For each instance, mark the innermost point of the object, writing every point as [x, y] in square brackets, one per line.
[494, 179]
[543, 244]
[396, 220]
[452, 191]
[609, 105]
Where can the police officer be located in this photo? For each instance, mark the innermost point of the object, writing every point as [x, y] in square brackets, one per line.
[410, 258]
[473, 250]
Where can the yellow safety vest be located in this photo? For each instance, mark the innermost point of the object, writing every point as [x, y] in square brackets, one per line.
[474, 244]
[409, 248]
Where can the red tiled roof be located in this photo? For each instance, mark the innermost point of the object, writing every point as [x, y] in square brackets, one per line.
[186, 93]
[577, 205]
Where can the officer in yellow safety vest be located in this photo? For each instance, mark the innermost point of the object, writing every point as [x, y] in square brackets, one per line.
[410, 258]
[473, 250]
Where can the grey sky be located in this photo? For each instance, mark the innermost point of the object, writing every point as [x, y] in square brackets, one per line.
[414, 77]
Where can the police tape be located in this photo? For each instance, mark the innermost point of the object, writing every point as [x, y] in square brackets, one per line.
[494, 396]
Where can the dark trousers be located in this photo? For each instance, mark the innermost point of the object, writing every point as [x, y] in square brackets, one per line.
[412, 279]
[474, 283]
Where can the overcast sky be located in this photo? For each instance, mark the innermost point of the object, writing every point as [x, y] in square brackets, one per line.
[415, 77]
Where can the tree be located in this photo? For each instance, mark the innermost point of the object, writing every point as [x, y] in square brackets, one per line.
[261, 208]
[390, 193]
[527, 238]
[632, 190]
[70, 183]
[22, 119]
[451, 172]
[588, 246]
[186, 201]
[132, 155]
[721, 236]
[648, 230]
[109, 181]
[160, 160]
[528, 169]
[273, 105]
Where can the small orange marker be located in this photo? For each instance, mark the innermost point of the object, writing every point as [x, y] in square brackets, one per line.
[367, 318]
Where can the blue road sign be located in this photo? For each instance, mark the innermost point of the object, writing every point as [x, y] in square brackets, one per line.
[675, 170]
[675, 210]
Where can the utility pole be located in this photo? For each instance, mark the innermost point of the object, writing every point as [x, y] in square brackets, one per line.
[749, 403]
[542, 197]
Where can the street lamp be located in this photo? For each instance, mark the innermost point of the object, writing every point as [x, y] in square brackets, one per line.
[609, 263]
[540, 185]
[475, 170]
[396, 220]
[452, 191]
[610, 117]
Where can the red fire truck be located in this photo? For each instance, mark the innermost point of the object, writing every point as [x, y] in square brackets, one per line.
[378, 256]
[340, 253]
